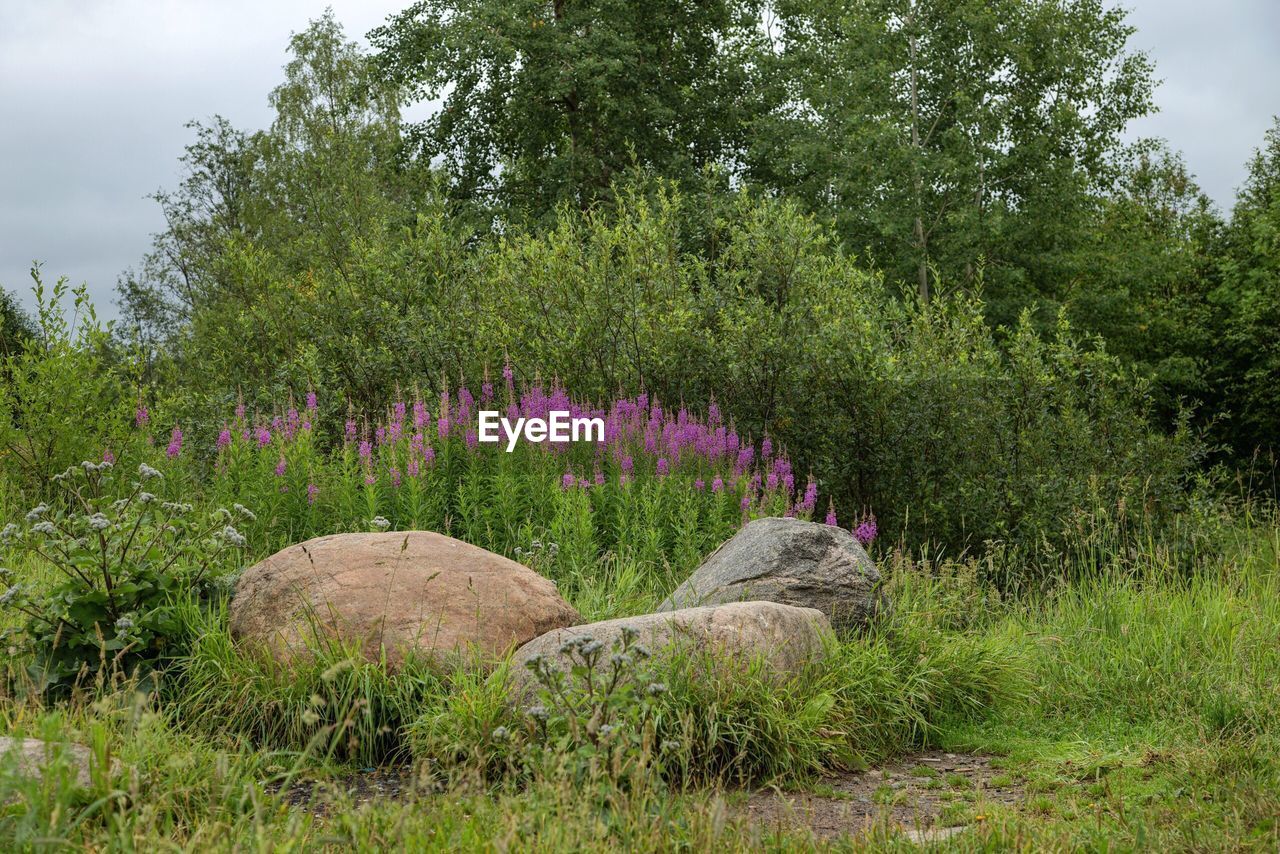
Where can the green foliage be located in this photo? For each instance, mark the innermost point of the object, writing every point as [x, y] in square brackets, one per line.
[549, 104]
[126, 562]
[63, 398]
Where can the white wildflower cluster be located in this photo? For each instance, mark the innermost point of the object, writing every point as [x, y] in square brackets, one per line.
[9, 532]
[38, 512]
[45, 528]
[245, 512]
[232, 537]
[146, 472]
[380, 522]
[99, 522]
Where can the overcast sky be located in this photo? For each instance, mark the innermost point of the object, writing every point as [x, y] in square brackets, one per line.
[94, 95]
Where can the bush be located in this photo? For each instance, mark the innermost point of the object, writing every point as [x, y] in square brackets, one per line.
[125, 562]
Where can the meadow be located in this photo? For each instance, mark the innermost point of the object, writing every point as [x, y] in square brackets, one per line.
[1130, 705]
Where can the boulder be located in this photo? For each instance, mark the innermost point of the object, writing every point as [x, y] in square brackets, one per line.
[394, 591]
[793, 562]
[786, 638]
[31, 757]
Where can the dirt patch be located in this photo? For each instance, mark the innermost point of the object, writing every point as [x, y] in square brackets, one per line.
[394, 782]
[931, 796]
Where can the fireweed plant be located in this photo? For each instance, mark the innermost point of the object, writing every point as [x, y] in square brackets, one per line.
[662, 487]
[124, 560]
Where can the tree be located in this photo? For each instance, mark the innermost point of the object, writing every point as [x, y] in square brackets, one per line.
[954, 142]
[1246, 371]
[549, 102]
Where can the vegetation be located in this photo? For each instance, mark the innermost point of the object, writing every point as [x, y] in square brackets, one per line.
[882, 265]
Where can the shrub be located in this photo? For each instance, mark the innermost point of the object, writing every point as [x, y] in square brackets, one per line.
[125, 561]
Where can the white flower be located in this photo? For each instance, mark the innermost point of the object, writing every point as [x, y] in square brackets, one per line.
[500, 733]
[44, 528]
[656, 688]
[10, 531]
[36, 512]
[245, 512]
[146, 472]
[606, 729]
[233, 537]
[145, 497]
[380, 522]
[538, 713]
[99, 522]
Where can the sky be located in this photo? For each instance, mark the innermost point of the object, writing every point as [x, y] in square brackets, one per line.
[94, 96]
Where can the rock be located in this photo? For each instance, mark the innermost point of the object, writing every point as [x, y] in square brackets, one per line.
[397, 591]
[793, 562]
[787, 638]
[32, 757]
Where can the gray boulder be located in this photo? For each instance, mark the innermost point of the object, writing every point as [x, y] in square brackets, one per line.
[792, 562]
[31, 757]
[784, 637]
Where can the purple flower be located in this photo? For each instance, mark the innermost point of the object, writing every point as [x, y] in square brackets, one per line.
[175, 443]
[831, 515]
[312, 406]
[141, 417]
[264, 436]
[412, 468]
[700, 484]
[280, 467]
[349, 433]
[810, 497]
[486, 391]
[442, 426]
[599, 478]
[567, 480]
[419, 414]
[369, 479]
[366, 450]
[429, 454]
[395, 477]
[224, 438]
[766, 448]
[717, 484]
[312, 492]
[508, 375]
[663, 467]
[866, 532]
[108, 457]
[240, 411]
[628, 465]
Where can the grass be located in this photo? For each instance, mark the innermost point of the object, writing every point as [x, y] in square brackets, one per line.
[1136, 707]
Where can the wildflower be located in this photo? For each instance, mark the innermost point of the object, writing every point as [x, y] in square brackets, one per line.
[99, 522]
[141, 417]
[717, 484]
[38, 511]
[366, 450]
[699, 484]
[108, 458]
[263, 435]
[311, 402]
[831, 514]
[380, 522]
[224, 438]
[500, 733]
[766, 448]
[44, 528]
[175, 443]
[538, 713]
[146, 472]
[810, 497]
[175, 507]
[349, 431]
[508, 375]
[567, 480]
[123, 624]
[591, 647]
[233, 537]
[245, 512]
[280, 467]
[395, 477]
[656, 688]
[866, 531]
[312, 492]
[12, 593]
[240, 411]
[606, 730]
[663, 467]
[10, 531]
[370, 480]
[620, 660]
